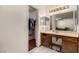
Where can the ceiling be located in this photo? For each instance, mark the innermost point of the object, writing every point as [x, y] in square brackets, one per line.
[43, 6]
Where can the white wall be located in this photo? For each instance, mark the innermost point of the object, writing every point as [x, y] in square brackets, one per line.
[41, 9]
[78, 19]
[13, 31]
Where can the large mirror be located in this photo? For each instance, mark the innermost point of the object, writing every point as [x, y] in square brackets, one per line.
[64, 21]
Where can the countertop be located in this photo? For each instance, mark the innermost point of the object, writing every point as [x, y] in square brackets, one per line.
[62, 33]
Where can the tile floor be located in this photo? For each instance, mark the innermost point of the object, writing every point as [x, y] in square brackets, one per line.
[42, 49]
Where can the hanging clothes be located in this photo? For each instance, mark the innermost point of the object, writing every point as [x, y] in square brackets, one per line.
[32, 27]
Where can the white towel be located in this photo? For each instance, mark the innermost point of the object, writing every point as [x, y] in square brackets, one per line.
[59, 41]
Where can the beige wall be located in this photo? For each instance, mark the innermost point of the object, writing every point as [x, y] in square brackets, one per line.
[13, 31]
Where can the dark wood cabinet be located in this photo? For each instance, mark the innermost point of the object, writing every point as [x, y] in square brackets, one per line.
[78, 45]
[69, 45]
[46, 40]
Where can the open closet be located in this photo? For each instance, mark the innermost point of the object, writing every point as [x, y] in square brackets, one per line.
[32, 27]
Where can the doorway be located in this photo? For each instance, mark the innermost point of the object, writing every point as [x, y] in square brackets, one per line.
[33, 16]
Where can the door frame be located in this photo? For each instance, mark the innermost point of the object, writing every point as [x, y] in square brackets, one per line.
[37, 27]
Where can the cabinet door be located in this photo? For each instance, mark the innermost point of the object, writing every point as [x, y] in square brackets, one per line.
[78, 45]
[46, 40]
[69, 46]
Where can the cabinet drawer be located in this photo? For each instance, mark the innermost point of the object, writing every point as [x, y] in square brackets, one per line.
[70, 39]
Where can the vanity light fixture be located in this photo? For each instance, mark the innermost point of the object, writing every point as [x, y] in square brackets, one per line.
[59, 9]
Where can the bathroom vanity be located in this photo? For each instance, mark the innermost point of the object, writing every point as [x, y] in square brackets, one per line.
[61, 24]
[70, 41]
